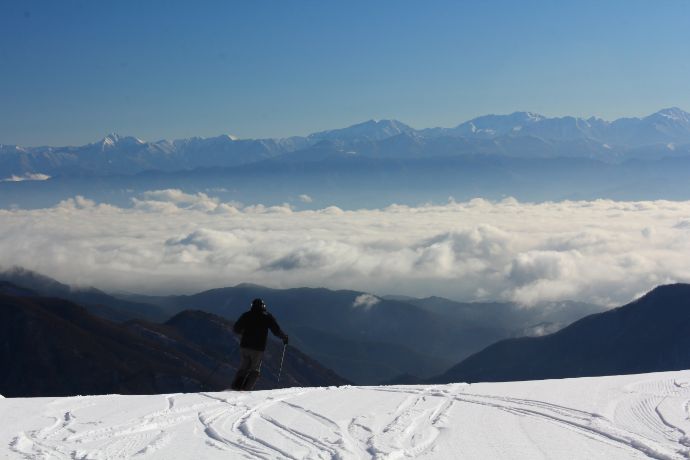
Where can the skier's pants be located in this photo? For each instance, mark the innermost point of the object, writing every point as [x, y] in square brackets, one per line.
[249, 369]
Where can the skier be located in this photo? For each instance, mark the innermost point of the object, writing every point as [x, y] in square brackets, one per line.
[253, 326]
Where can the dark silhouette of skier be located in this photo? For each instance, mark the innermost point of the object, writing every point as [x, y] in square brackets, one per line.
[253, 326]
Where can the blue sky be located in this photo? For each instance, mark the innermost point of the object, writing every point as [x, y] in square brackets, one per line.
[70, 72]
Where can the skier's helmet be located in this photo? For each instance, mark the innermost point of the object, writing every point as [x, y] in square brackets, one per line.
[258, 304]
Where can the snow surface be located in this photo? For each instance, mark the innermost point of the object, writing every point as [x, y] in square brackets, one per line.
[622, 417]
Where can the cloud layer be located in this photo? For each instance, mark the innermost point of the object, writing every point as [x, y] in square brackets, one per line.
[25, 177]
[600, 251]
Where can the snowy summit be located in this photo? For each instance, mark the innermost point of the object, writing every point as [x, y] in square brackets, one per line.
[620, 417]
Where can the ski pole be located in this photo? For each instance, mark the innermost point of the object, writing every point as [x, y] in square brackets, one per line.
[281, 361]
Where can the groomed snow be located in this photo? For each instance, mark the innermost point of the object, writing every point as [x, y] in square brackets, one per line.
[622, 417]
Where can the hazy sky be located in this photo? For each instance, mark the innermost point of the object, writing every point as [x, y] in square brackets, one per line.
[72, 71]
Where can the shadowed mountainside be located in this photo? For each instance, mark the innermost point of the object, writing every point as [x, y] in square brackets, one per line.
[54, 347]
[97, 302]
[647, 335]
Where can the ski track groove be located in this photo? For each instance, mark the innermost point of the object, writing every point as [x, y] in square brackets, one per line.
[220, 441]
[304, 439]
[406, 435]
[367, 435]
[648, 409]
[342, 436]
[242, 430]
[243, 425]
[597, 426]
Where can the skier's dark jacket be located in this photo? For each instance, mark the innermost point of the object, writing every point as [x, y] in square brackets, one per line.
[254, 326]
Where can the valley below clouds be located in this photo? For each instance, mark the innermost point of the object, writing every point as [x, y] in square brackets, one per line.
[603, 251]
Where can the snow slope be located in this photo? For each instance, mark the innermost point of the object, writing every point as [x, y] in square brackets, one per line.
[621, 417]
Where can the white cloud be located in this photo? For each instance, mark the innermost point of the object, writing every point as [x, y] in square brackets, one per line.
[365, 301]
[170, 241]
[27, 176]
[305, 198]
[169, 199]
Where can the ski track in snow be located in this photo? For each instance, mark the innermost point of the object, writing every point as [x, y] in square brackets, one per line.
[647, 416]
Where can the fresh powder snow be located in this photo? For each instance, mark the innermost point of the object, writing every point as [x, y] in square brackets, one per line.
[619, 417]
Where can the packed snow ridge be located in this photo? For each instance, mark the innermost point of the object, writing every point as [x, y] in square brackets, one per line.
[620, 417]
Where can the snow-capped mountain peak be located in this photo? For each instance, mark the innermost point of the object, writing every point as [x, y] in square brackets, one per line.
[113, 139]
[530, 116]
[673, 114]
[489, 126]
[110, 140]
[368, 130]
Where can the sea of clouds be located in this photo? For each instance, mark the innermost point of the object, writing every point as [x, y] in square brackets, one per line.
[602, 251]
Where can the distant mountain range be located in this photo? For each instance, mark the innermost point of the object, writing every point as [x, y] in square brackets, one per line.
[647, 335]
[670, 125]
[520, 134]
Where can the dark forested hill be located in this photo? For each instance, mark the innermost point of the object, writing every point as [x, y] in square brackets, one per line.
[648, 335]
[52, 346]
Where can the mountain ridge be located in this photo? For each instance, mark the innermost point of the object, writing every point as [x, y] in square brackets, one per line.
[391, 127]
[648, 334]
[507, 135]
